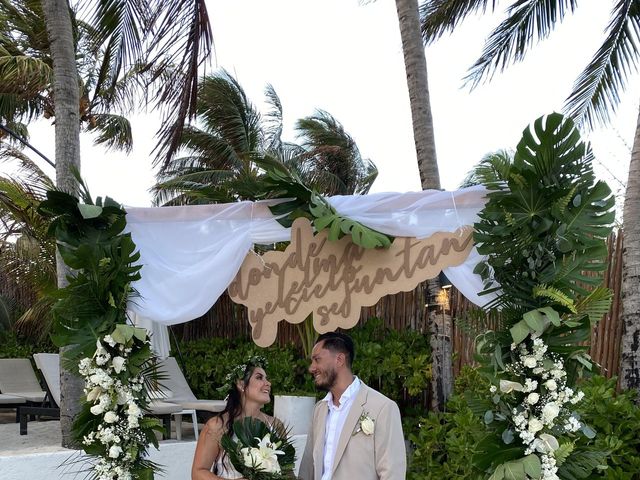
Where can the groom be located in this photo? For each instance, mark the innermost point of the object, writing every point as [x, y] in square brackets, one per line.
[356, 432]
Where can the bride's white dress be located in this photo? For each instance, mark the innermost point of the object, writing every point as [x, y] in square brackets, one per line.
[224, 469]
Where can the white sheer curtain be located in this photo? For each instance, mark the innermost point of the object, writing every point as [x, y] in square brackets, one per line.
[190, 254]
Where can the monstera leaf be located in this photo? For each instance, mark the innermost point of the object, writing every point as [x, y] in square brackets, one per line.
[304, 202]
[547, 220]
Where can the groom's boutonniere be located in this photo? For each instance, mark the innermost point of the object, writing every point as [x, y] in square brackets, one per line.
[366, 424]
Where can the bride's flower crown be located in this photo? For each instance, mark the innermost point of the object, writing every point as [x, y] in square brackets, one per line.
[239, 372]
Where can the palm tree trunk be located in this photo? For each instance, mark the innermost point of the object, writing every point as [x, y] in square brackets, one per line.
[67, 145]
[415, 64]
[630, 361]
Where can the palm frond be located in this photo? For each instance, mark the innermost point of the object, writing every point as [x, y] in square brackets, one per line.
[273, 120]
[596, 92]
[35, 322]
[114, 131]
[183, 34]
[440, 16]
[121, 25]
[334, 155]
[492, 169]
[24, 75]
[528, 21]
[224, 109]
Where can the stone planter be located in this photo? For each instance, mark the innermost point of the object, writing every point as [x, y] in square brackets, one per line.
[295, 412]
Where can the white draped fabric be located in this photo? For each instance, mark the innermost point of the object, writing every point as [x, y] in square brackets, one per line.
[190, 254]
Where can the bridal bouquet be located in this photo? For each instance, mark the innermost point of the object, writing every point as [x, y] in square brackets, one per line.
[258, 451]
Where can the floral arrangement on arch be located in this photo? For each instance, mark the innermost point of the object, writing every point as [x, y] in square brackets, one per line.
[112, 424]
[543, 233]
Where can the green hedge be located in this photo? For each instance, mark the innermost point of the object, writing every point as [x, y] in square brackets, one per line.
[12, 346]
[396, 363]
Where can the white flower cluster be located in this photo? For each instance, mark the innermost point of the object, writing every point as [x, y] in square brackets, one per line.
[544, 405]
[264, 457]
[118, 403]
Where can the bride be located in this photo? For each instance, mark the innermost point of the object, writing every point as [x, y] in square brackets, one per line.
[248, 390]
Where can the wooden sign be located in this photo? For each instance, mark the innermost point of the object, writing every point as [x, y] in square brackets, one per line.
[333, 280]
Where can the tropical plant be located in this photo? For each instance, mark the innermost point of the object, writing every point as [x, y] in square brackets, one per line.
[544, 226]
[232, 137]
[593, 99]
[26, 251]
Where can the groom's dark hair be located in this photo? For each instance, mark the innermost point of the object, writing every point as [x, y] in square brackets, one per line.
[338, 343]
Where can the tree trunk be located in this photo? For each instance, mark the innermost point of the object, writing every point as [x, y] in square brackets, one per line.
[415, 64]
[630, 361]
[423, 135]
[67, 138]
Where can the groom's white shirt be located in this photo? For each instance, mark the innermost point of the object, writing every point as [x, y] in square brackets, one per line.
[334, 424]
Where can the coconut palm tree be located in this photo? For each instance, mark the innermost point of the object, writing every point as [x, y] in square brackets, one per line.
[142, 40]
[230, 135]
[594, 97]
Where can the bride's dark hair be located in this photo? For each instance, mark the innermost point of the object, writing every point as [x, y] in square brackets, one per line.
[233, 408]
[234, 399]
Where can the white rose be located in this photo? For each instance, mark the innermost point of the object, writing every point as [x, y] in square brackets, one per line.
[530, 362]
[110, 417]
[109, 339]
[97, 409]
[535, 425]
[551, 384]
[533, 398]
[115, 451]
[550, 411]
[367, 425]
[134, 409]
[118, 364]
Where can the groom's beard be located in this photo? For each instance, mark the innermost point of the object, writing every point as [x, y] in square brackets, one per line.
[328, 381]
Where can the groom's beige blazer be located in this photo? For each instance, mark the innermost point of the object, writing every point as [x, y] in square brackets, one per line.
[359, 456]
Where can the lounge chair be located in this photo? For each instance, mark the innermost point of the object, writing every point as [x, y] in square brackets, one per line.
[49, 366]
[18, 379]
[181, 392]
[12, 401]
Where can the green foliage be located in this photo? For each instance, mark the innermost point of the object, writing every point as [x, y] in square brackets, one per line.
[27, 253]
[208, 361]
[444, 443]
[13, 346]
[543, 231]
[91, 242]
[616, 419]
[397, 363]
[546, 219]
[281, 182]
